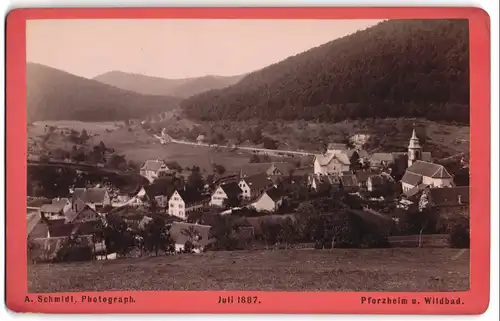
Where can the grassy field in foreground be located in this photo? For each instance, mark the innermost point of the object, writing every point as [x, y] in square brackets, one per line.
[286, 270]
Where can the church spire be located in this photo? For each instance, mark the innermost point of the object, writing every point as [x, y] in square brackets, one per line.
[414, 149]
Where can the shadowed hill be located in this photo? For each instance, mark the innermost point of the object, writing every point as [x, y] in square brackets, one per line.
[161, 86]
[397, 68]
[53, 94]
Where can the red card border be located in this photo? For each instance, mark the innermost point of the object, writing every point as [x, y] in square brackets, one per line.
[476, 299]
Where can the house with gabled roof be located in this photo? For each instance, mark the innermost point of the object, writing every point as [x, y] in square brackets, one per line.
[97, 197]
[56, 209]
[197, 234]
[431, 174]
[253, 186]
[36, 226]
[349, 183]
[316, 182]
[270, 201]
[225, 191]
[152, 169]
[447, 202]
[182, 202]
[335, 162]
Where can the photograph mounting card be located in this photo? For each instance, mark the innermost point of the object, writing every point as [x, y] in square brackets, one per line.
[254, 160]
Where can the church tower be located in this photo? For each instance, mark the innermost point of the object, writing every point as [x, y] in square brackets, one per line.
[414, 149]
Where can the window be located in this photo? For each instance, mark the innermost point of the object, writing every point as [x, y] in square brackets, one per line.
[180, 205]
[181, 213]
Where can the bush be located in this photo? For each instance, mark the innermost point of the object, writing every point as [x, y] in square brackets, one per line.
[460, 236]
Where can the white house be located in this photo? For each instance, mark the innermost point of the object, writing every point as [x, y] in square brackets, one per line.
[56, 210]
[269, 201]
[253, 186]
[152, 169]
[334, 162]
[183, 202]
[223, 192]
[430, 174]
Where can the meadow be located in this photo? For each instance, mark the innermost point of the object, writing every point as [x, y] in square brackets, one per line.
[396, 269]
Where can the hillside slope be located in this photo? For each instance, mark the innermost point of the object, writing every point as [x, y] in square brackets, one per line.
[161, 86]
[53, 94]
[397, 68]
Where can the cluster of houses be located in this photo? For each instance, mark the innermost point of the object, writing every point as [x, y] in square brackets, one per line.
[256, 186]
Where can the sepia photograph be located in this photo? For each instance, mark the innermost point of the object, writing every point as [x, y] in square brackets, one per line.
[288, 155]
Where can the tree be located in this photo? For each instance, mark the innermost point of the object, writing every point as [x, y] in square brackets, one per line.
[116, 234]
[218, 169]
[224, 231]
[289, 232]
[117, 162]
[254, 158]
[156, 237]
[194, 237]
[270, 231]
[195, 180]
[84, 136]
[270, 143]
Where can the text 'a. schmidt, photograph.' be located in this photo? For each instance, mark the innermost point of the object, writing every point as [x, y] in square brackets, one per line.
[271, 155]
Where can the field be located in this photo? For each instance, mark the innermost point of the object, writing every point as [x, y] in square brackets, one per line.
[284, 270]
[138, 146]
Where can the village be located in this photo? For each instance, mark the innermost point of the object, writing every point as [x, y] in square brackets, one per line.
[345, 198]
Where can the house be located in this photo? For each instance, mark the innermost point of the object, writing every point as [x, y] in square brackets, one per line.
[253, 186]
[270, 201]
[381, 160]
[82, 215]
[316, 182]
[200, 139]
[97, 198]
[198, 235]
[335, 162]
[56, 209]
[447, 202]
[158, 194]
[182, 202]
[422, 172]
[225, 191]
[152, 169]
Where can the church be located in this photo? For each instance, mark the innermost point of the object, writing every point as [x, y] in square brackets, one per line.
[421, 173]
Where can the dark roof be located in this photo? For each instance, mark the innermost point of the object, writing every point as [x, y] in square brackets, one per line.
[190, 197]
[177, 228]
[258, 181]
[449, 196]
[71, 215]
[154, 190]
[231, 188]
[348, 180]
[382, 157]
[274, 193]
[61, 230]
[411, 178]
[89, 195]
[429, 169]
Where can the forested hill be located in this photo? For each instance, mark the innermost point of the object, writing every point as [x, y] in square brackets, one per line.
[53, 94]
[397, 68]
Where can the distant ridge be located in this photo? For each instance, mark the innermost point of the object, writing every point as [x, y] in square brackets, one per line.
[149, 85]
[53, 94]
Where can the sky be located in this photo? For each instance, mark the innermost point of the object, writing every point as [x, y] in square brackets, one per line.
[179, 48]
